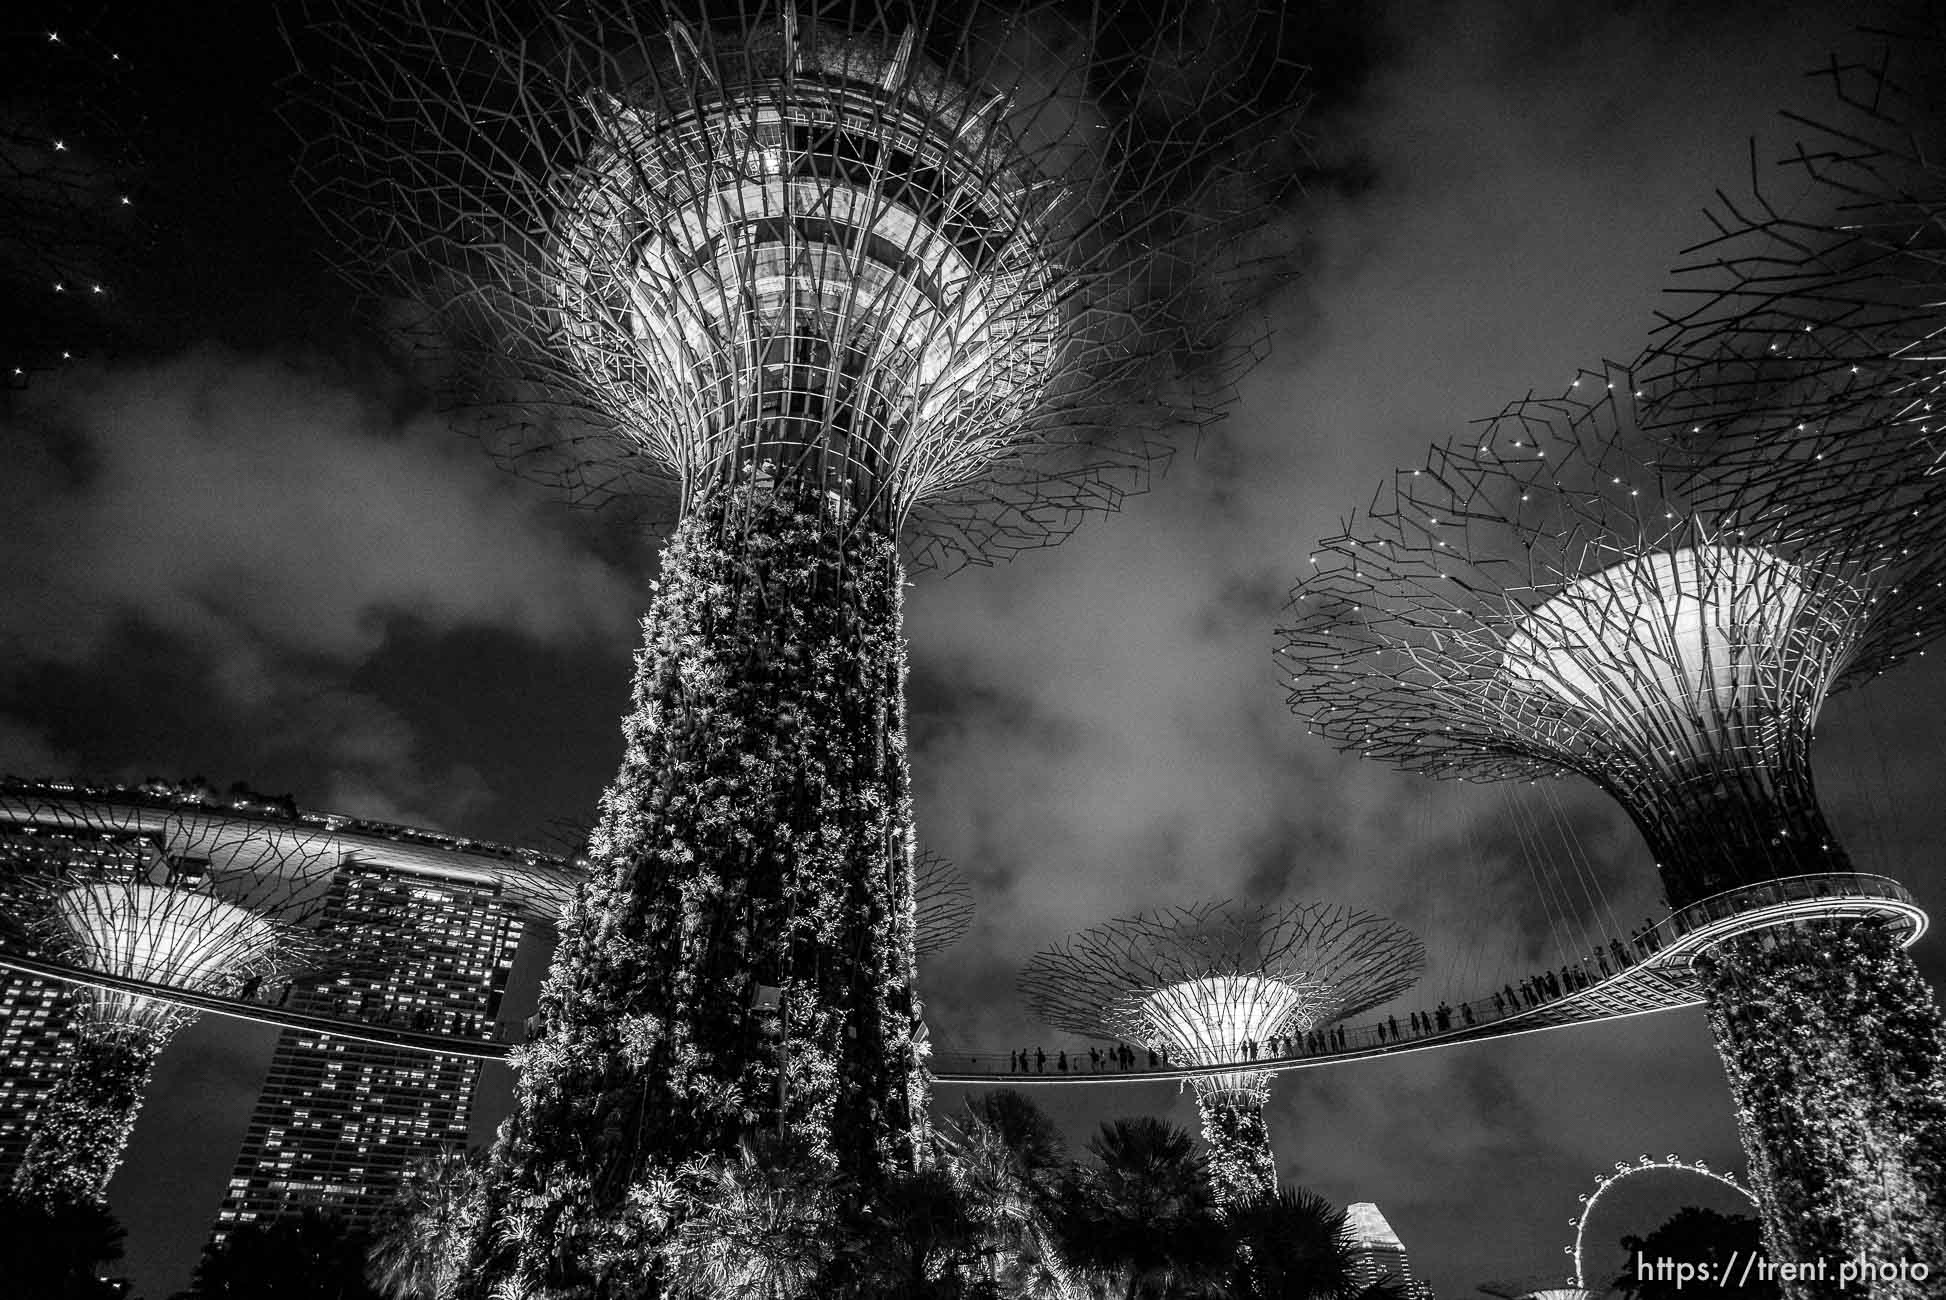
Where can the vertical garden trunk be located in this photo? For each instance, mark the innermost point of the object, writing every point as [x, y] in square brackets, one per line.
[82, 1129]
[741, 966]
[1242, 1165]
[1833, 1045]
[1829, 1035]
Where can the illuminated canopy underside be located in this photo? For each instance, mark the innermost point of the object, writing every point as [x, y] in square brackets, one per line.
[1540, 599]
[1201, 982]
[165, 936]
[1212, 1020]
[1208, 1020]
[836, 261]
[969, 267]
[1679, 654]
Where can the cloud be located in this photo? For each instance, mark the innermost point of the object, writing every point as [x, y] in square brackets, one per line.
[1099, 729]
[370, 758]
[27, 749]
[1102, 724]
[222, 496]
[272, 525]
[1096, 729]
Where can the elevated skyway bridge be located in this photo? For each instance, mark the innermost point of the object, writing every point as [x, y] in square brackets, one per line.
[1656, 974]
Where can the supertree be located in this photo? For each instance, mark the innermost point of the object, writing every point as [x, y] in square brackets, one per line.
[188, 898]
[815, 281]
[1211, 984]
[1540, 601]
[944, 904]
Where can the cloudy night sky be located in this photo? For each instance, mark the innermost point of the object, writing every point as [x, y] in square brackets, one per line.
[242, 543]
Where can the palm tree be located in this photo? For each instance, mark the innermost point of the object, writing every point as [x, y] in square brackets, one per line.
[1142, 1218]
[1290, 1245]
[1009, 1163]
[916, 1239]
[750, 1230]
[1033, 1139]
[422, 1238]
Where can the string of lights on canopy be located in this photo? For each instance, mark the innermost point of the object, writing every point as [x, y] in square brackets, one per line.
[901, 253]
[1545, 598]
[70, 225]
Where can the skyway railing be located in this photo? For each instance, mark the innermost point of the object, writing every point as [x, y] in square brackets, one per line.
[1652, 972]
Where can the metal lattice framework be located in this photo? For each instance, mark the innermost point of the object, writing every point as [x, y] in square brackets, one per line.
[1803, 359]
[189, 897]
[964, 265]
[1202, 981]
[945, 903]
[178, 937]
[131, 897]
[1541, 601]
[1215, 984]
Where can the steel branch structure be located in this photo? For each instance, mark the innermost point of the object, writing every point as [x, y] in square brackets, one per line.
[1801, 369]
[186, 898]
[1541, 601]
[836, 287]
[178, 937]
[966, 265]
[1215, 983]
[944, 902]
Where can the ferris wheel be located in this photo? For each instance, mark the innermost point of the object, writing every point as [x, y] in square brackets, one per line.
[1623, 1170]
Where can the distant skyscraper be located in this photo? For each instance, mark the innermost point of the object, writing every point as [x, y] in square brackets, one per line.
[35, 1033]
[339, 1120]
[1377, 1253]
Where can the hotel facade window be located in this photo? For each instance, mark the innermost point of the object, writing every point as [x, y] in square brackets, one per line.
[339, 1120]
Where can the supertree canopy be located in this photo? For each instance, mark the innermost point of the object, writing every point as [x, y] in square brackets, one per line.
[1211, 984]
[1803, 358]
[161, 935]
[1541, 601]
[814, 280]
[964, 265]
[186, 899]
